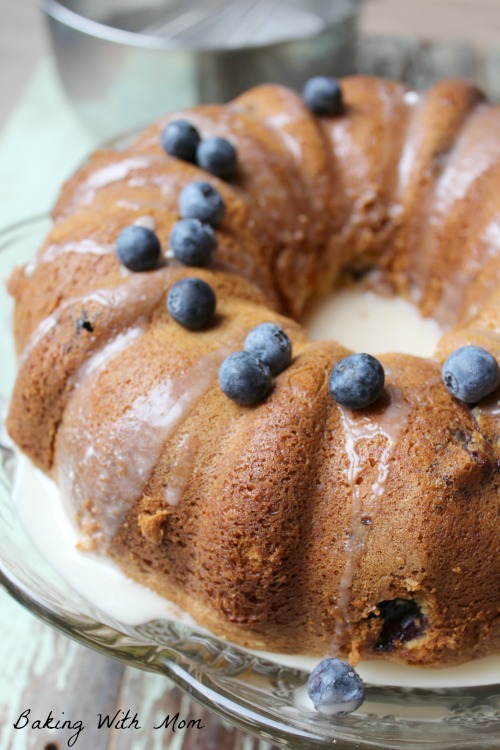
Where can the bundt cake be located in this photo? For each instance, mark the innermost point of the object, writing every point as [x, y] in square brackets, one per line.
[288, 521]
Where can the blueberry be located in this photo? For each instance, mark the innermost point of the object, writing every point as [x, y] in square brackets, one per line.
[244, 378]
[84, 324]
[402, 621]
[357, 381]
[335, 688]
[138, 248]
[199, 200]
[179, 138]
[270, 343]
[323, 96]
[471, 373]
[218, 156]
[193, 243]
[191, 302]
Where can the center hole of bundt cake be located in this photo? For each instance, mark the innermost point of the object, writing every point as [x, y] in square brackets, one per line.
[364, 321]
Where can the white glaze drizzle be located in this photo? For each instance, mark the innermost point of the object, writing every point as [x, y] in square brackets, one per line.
[101, 296]
[475, 151]
[138, 290]
[128, 205]
[148, 222]
[283, 123]
[491, 409]
[412, 141]
[181, 470]
[102, 472]
[407, 161]
[491, 236]
[104, 176]
[86, 246]
[168, 183]
[357, 428]
[486, 247]
[99, 360]
[411, 98]
[52, 252]
[92, 367]
[137, 182]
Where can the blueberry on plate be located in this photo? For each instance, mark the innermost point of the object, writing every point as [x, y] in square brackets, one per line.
[193, 243]
[357, 381]
[217, 156]
[471, 373]
[138, 248]
[335, 688]
[244, 378]
[179, 138]
[191, 302]
[200, 200]
[270, 343]
[323, 96]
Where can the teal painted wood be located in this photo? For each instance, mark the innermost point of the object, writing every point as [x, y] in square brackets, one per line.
[45, 672]
[157, 701]
[51, 675]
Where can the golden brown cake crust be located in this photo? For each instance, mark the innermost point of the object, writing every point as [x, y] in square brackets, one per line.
[292, 525]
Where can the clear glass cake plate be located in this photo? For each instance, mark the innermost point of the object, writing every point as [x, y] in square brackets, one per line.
[255, 694]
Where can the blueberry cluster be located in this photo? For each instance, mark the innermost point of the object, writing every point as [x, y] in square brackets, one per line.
[246, 377]
[470, 373]
[335, 688]
[323, 96]
[191, 301]
[215, 155]
[357, 381]
[192, 239]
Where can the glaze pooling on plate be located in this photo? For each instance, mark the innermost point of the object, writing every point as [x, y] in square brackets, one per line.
[367, 322]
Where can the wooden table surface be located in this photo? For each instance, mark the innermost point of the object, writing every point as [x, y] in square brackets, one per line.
[48, 674]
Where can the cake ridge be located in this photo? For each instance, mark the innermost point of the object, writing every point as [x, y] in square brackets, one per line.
[390, 424]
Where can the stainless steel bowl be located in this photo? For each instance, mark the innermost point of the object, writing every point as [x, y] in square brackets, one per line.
[121, 70]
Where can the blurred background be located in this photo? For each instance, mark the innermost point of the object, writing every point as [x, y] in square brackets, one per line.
[95, 59]
[77, 73]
